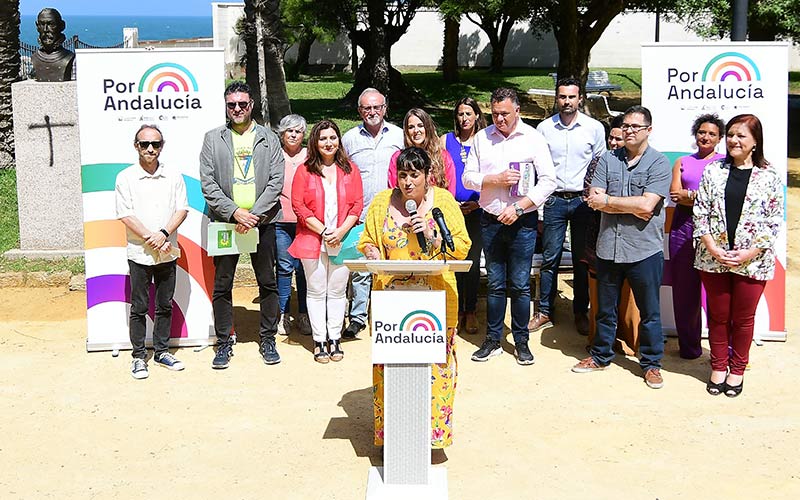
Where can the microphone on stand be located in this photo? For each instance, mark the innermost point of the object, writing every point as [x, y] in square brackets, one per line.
[411, 208]
[438, 216]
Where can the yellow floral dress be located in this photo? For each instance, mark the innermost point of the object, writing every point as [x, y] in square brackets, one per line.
[394, 243]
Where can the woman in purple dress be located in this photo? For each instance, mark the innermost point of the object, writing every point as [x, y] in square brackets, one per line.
[707, 130]
[467, 120]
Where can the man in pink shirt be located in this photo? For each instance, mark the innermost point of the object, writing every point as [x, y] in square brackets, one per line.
[511, 167]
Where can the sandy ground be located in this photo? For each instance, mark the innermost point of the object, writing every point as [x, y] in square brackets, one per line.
[76, 425]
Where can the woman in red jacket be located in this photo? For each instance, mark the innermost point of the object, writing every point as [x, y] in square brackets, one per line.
[327, 197]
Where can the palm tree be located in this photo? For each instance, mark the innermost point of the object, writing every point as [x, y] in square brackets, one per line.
[265, 49]
[9, 73]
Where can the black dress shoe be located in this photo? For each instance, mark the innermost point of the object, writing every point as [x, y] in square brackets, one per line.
[352, 329]
[715, 389]
[733, 391]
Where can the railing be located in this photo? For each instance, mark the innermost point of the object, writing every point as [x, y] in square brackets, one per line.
[26, 51]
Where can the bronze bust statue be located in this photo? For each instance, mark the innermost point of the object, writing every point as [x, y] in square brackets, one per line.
[52, 62]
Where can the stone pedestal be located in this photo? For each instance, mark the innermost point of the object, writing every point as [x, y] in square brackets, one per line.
[48, 160]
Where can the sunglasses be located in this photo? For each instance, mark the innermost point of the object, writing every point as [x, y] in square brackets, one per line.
[241, 104]
[147, 144]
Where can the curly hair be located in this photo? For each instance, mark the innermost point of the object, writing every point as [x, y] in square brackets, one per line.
[430, 145]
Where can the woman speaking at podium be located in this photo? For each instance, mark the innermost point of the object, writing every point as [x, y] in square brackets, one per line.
[394, 220]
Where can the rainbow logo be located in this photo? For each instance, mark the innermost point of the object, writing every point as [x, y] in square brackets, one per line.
[731, 65]
[167, 76]
[420, 320]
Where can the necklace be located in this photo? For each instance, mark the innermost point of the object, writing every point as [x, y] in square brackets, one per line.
[464, 153]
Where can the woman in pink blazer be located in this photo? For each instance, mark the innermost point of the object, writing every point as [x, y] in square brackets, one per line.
[327, 198]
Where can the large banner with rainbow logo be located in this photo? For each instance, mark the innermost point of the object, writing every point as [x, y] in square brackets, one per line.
[180, 90]
[683, 81]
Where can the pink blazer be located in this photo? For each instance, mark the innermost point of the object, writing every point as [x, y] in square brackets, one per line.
[308, 200]
[449, 171]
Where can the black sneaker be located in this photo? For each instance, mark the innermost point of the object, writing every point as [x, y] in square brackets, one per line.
[352, 329]
[489, 349]
[223, 356]
[269, 353]
[524, 356]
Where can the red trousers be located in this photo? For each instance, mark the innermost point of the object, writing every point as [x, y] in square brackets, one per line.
[731, 300]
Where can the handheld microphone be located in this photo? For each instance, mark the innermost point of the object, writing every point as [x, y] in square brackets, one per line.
[438, 216]
[411, 208]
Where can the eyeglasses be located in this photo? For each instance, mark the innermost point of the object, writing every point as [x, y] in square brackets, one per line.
[633, 127]
[242, 104]
[147, 144]
[377, 107]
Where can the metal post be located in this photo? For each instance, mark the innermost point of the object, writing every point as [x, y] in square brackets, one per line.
[739, 24]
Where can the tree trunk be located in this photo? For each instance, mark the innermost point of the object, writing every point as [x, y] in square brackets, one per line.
[304, 51]
[498, 55]
[452, 26]
[9, 73]
[376, 69]
[272, 100]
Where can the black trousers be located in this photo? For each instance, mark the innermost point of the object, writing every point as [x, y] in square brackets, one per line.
[263, 261]
[163, 276]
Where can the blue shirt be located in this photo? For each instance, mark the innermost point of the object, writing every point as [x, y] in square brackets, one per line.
[572, 148]
[453, 147]
[371, 155]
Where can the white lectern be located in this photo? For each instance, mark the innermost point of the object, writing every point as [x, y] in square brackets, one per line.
[407, 471]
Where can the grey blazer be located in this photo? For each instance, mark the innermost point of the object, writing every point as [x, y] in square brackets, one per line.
[216, 174]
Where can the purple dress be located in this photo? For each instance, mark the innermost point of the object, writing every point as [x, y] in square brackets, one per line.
[685, 278]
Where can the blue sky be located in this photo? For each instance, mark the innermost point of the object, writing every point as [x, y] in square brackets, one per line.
[121, 7]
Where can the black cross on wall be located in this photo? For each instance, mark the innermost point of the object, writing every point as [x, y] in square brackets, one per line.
[49, 126]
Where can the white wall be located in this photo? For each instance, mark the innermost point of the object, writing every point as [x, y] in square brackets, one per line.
[422, 45]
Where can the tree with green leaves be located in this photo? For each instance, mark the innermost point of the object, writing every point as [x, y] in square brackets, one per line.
[767, 20]
[304, 25]
[494, 17]
[9, 73]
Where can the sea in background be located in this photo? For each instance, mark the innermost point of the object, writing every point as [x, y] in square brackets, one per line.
[106, 31]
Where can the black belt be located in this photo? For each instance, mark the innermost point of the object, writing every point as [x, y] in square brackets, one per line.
[568, 195]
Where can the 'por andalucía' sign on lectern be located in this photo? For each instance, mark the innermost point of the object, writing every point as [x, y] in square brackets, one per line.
[408, 326]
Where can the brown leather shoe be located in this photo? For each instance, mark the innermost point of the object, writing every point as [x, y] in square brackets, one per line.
[587, 365]
[471, 322]
[538, 322]
[582, 324]
[653, 378]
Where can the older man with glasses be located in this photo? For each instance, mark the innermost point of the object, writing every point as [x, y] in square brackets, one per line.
[629, 188]
[370, 146]
[241, 173]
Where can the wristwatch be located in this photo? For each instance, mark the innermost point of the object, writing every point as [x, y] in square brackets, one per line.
[518, 209]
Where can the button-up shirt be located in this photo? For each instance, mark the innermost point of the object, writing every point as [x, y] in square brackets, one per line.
[625, 238]
[153, 200]
[492, 153]
[572, 148]
[371, 155]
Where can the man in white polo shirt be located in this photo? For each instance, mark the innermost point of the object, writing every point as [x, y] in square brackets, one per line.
[574, 139]
[151, 202]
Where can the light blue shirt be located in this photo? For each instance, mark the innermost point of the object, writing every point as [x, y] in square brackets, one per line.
[572, 148]
[371, 155]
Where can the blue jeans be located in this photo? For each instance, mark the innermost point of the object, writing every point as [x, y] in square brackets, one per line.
[286, 265]
[557, 212]
[645, 281]
[360, 286]
[469, 282]
[509, 254]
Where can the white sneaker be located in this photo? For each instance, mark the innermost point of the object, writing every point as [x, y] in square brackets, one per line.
[169, 361]
[304, 324]
[284, 325]
[139, 369]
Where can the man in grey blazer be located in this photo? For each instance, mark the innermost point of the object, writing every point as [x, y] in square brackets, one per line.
[241, 173]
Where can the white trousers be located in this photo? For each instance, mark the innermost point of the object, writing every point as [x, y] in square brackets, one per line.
[326, 296]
